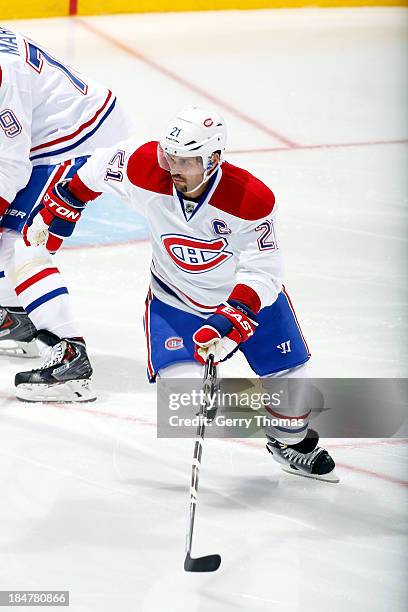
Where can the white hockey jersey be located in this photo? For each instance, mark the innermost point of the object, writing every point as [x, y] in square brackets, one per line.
[201, 251]
[49, 113]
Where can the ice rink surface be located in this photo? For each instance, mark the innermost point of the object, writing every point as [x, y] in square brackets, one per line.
[90, 500]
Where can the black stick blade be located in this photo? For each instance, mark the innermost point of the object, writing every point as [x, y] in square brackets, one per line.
[210, 563]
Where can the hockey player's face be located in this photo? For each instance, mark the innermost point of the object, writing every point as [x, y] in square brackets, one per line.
[186, 172]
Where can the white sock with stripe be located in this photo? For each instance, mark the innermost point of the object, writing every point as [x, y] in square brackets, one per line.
[290, 422]
[39, 285]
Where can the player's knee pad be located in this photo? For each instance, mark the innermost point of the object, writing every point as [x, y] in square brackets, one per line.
[27, 261]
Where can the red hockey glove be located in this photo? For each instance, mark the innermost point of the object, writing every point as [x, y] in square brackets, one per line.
[223, 332]
[54, 219]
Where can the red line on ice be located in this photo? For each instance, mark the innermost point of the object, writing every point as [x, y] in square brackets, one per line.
[346, 466]
[243, 442]
[185, 83]
[354, 468]
[141, 421]
[334, 145]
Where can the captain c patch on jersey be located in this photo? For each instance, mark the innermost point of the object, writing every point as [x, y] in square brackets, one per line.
[193, 255]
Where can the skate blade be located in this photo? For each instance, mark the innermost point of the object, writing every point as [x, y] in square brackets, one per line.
[69, 392]
[27, 350]
[330, 477]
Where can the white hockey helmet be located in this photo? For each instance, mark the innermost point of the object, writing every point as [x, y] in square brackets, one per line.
[193, 132]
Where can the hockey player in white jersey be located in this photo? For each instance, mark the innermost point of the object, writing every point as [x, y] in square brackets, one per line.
[216, 274]
[51, 119]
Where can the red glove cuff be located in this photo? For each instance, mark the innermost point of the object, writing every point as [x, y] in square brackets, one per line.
[246, 295]
[80, 191]
[53, 243]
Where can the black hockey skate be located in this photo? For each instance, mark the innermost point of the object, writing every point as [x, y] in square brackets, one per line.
[305, 458]
[64, 376]
[17, 333]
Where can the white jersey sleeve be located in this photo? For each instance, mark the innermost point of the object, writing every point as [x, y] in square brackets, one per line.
[15, 127]
[260, 261]
[106, 171]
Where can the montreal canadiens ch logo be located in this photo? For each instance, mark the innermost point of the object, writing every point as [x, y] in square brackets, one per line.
[174, 343]
[193, 255]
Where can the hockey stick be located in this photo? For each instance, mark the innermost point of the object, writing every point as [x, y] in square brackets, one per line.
[209, 563]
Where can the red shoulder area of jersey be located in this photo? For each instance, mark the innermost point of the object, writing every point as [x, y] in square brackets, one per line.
[144, 171]
[241, 194]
